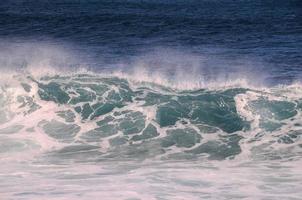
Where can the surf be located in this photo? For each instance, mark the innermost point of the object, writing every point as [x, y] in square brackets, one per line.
[108, 116]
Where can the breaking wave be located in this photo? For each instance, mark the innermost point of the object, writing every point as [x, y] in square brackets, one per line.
[90, 116]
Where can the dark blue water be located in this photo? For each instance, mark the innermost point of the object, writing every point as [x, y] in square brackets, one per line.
[268, 33]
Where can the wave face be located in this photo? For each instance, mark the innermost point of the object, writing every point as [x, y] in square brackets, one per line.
[119, 118]
[143, 140]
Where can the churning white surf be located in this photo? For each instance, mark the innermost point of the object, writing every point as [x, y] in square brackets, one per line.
[146, 134]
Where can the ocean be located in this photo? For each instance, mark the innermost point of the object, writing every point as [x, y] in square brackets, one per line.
[150, 99]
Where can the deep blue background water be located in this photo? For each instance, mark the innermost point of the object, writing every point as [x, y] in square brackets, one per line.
[266, 31]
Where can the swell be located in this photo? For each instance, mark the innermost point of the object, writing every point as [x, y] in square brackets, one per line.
[90, 117]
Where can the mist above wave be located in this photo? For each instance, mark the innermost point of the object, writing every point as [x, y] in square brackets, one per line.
[179, 68]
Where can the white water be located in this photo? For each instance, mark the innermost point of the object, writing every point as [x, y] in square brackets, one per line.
[29, 170]
[152, 180]
[32, 166]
